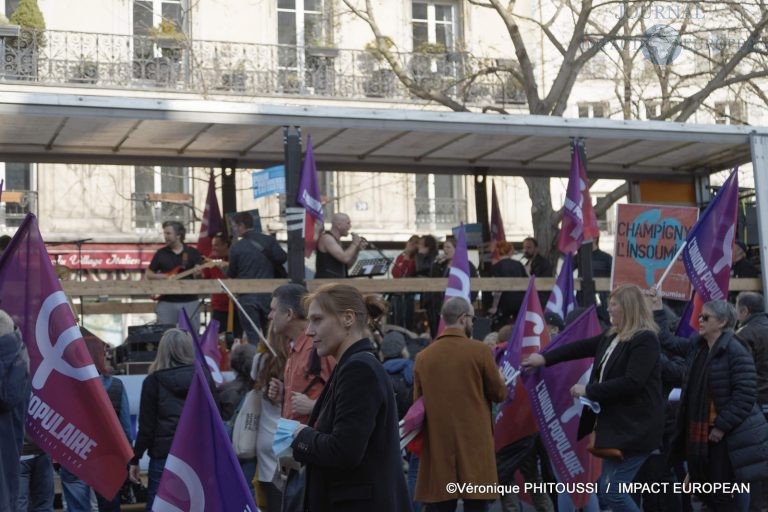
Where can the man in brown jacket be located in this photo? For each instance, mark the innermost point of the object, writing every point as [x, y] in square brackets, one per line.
[459, 379]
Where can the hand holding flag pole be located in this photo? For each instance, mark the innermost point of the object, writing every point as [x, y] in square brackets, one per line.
[671, 263]
[247, 316]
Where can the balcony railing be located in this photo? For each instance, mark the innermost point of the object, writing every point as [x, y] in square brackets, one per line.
[216, 67]
[151, 210]
[440, 212]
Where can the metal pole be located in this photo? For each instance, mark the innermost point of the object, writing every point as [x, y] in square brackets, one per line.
[228, 190]
[759, 144]
[294, 213]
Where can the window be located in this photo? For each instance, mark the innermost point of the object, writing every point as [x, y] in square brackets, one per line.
[152, 59]
[10, 6]
[19, 195]
[304, 37]
[439, 202]
[433, 26]
[434, 42]
[160, 194]
[594, 109]
[730, 112]
[653, 109]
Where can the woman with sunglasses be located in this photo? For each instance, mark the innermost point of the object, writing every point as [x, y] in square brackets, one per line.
[626, 383]
[724, 434]
[351, 446]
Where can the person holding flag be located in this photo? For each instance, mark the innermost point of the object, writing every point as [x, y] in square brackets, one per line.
[723, 433]
[625, 381]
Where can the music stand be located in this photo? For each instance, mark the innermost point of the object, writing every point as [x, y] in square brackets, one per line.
[370, 267]
[378, 266]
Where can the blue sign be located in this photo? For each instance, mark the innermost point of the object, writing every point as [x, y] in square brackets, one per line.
[269, 181]
[473, 232]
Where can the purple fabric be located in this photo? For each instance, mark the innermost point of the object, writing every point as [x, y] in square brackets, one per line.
[202, 472]
[69, 413]
[557, 413]
[709, 245]
[309, 190]
[562, 300]
[458, 278]
[579, 222]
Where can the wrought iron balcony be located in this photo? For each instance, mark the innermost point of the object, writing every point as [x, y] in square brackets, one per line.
[440, 212]
[216, 67]
[151, 210]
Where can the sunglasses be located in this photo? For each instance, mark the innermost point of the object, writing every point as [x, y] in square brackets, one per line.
[704, 318]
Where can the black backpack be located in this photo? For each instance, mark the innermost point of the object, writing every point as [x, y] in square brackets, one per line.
[403, 393]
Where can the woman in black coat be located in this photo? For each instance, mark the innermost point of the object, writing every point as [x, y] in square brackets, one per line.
[626, 382]
[351, 447]
[724, 436]
[163, 394]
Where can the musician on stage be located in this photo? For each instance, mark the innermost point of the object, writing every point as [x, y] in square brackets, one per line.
[168, 261]
[332, 260]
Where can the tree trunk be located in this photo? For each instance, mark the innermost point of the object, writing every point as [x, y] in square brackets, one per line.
[542, 216]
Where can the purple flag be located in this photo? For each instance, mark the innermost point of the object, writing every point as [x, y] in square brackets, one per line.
[515, 418]
[202, 472]
[69, 414]
[709, 247]
[209, 344]
[557, 413]
[309, 197]
[458, 278]
[579, 223]
[562, 300]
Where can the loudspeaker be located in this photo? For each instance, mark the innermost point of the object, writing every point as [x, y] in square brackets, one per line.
[481, 328]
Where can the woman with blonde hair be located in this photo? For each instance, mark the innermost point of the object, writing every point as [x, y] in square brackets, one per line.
[163, 394]
[626, 383]
[351, 445]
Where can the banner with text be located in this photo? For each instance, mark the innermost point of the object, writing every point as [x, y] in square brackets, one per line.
[647, 238]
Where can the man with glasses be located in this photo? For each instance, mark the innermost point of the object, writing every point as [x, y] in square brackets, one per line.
[459, 379]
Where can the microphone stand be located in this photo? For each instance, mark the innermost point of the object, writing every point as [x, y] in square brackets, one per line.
[79, 244]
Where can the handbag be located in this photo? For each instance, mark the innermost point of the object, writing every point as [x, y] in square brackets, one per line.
[246, 429]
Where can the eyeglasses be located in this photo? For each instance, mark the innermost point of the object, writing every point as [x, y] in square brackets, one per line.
[704, 318]
[473, 317]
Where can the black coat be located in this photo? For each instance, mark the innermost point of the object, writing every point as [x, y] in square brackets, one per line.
[731, 380]
[754, 333]
[630, 396]
[352, 451]
[163, 394]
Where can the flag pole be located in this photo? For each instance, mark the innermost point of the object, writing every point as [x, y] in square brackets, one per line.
[248, 317]
[669, 267]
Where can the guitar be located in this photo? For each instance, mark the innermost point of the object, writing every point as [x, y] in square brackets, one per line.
[176, 273]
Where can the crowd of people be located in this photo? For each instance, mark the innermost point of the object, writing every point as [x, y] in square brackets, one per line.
[343, 379]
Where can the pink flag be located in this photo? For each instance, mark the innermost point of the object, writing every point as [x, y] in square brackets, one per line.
[515, 419]
[69, 415]
[309, 198]
[579, 223]
[458, 278]
[212, 222]
[557, 413]
[497, 224]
